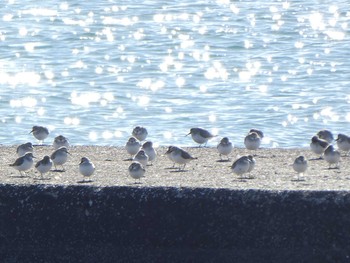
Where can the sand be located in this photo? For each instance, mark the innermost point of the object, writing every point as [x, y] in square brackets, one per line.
[273, 170]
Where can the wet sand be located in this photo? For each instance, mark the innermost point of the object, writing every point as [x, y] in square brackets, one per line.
[273, 170]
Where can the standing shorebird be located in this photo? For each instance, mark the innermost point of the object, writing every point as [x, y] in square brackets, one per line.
[326, 135]
[252, 141]
[343, 143]
[332, 156]
[318, 146]
[241, 166]
[40, 133]
[23, 163]
[24, 148]
[60, 157]
[140, 133]
[179, 156]
[132, 146]
[150, 151]
[136, 170]
[200, 135]
[60, 141]
[224, 147]
[300, 166]
[141, 157]
[43, 166]
[252, 163]
[86, 167]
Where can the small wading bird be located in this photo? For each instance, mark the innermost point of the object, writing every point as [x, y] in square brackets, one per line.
[318, 146]
[332, 156]
[86, 167]
[224, 147]
[60, 141]
[43, 166]
[40, 133]
[200, 135]
[300, 166]
[140, 133]
[23, 163]
[24, 148]
[343, 143]
[60, 157]
[252, 141]
[136, 171]
[132, 146]
[179, 156]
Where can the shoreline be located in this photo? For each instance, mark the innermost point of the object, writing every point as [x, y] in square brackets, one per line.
[273, 170]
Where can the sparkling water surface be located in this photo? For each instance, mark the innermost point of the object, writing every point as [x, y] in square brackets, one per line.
[92, 70]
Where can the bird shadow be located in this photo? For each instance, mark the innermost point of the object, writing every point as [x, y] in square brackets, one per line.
[298, 180]
[127, 160]
[42, 179]
[84, 181]
[223, 161]
[179, 171]
[58, 170]
[316, 159]
[19, 176]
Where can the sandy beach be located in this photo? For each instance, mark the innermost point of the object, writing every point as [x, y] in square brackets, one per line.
[273, 170]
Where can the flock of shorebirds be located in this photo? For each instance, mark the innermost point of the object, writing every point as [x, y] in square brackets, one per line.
[142, 153]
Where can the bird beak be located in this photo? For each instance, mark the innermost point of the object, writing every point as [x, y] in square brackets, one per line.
[187, 134]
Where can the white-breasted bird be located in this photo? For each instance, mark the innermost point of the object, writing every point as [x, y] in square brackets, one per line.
[43, 166]
[224, 147]
[23, 163]
[241, 166]
[326, 135]
[141, 157]
[132, 146]
[136, 170]
[343, 143]
[60, 157]
[24, 148]
[332, 156]
[149, 150]
[200, 136]
[60, 141]
[40, 133]
[179, 156]
[140, 133]
[318, 146]
[252, 141]
[86, 167]
[300, 165]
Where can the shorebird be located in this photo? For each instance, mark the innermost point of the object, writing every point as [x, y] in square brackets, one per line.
[179, 156]
[300, 166]
[140, 133]
[252, 141]
[149, 150]
[325, 135]
[318, 145]
[169, 155]
[132, 146]
[60, 141]
[23, 163]
[43, 166]
[40, 133]
[343, 143]
[24, 148]
[224, 147]
[136, 170]
[332, 156]
[141, 157]
[241, 166]
[86, 167]
[59, 157]
[200, 135]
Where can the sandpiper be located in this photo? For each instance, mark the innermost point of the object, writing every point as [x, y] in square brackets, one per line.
[140, 133]
[200, 135]
[136, 170]
[318, 145]
[252, 141]
[149, 150]
[259, 132]
[141, 157]
[326, 135]
[23, 163]
[179, 156]
[60, 141]
[59, 157]
[170, 156]
[343, 143]
[132, 146]
[24, 148]
[332, 156]
[241, 166]
[44, 165]
[40, 133]
[224, 147]
[86, 167]
[300, 165]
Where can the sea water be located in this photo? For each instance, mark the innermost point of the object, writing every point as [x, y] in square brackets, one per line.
[93, 70]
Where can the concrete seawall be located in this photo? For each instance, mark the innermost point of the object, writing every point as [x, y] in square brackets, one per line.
[83, 223]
